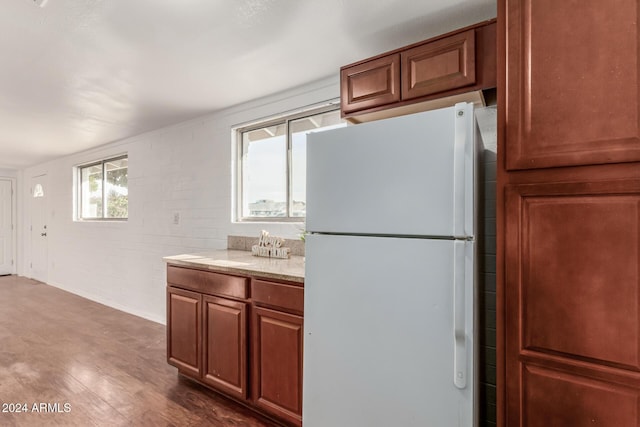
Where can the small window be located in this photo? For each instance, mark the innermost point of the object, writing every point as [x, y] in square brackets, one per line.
[103, 190]
[271, 165]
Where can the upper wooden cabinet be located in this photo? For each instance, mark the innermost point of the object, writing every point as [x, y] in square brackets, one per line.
[439, 66]
[371, 84]
[451, 64]
[572, 83]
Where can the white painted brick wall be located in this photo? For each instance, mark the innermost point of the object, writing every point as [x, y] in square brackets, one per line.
[183, 169]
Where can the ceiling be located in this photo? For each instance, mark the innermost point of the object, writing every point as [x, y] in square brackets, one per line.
[80, 73]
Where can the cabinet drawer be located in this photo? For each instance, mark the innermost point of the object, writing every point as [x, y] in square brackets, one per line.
[208, 282]
[439, 66]
[278, 295]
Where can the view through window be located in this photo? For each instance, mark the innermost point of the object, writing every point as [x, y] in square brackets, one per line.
[272, 165]
[103, 189]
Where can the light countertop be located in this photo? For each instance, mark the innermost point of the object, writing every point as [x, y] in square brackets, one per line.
[242, 262]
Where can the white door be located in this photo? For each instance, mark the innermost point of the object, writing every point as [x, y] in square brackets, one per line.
[388, 332]
[409, 175]
[39, 210]
[6, 227]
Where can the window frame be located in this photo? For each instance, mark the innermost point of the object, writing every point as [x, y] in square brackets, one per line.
[78, 175]
[282, 119]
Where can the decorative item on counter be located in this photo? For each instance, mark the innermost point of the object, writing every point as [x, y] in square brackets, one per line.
[270, 246]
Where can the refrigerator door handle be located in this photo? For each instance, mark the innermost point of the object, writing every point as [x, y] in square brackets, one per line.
[459, 321]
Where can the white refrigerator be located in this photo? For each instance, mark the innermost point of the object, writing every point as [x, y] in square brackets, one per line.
[389, 301]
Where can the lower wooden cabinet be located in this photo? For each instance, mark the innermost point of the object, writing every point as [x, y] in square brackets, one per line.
[210, 338]
[225, 345]
[572, 281]
[184, 331]
[277, 363]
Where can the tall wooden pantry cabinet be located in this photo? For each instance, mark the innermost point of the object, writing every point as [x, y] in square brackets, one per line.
[568, 195]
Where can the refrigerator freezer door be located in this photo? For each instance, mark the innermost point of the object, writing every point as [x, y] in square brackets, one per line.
[410, 175]
[379, 346]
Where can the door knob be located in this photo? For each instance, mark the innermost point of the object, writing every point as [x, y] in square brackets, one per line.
[43, 234]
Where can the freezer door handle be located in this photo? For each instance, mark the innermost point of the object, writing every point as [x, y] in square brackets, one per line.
[463, 171]
[459, 329]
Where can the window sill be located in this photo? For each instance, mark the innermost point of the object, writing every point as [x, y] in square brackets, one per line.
[102, 221]
[270, 221]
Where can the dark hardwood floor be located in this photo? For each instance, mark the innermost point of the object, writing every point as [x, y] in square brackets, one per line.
[91, 365]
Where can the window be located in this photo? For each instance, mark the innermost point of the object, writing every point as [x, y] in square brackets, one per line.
[103, 190]
[272, 165]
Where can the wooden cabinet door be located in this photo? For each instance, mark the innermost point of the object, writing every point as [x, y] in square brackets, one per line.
[572, 82]
[572, 298]
[277, 363]
[439, 66]
[225, 345]
[184, 330]
[371, 84]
